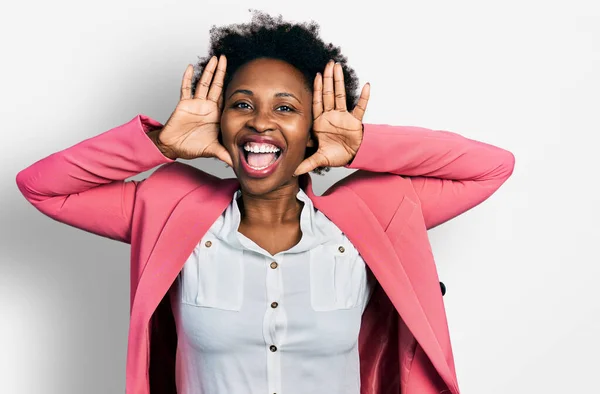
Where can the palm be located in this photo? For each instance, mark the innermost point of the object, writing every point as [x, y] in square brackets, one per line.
[197, 128]
[338, 132]
[193, 128]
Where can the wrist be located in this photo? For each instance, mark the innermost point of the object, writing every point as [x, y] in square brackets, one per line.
[357, 146]
[154, 137]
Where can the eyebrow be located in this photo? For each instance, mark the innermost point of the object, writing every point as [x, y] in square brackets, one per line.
[250, 93]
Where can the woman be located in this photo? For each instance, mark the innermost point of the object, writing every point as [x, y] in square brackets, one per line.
[255, 284]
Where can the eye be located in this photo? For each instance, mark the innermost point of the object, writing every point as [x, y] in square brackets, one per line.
[285, 108]
[241, 105]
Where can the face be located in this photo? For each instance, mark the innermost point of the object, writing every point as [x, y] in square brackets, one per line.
[266, 123]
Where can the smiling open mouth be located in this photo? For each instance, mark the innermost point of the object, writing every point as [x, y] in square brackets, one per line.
[260, 156]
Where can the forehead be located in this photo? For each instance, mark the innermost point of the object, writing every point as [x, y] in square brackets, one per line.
[268, 75]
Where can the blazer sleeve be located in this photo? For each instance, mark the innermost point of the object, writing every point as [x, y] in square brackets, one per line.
[450, 173]
[84, 186]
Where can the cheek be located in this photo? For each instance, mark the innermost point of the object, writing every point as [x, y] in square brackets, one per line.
[297, 142]
[228, 129]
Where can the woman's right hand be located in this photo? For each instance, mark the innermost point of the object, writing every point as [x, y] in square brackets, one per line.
[193, 128]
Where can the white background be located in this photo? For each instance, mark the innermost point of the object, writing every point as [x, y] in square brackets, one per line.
[522, 269]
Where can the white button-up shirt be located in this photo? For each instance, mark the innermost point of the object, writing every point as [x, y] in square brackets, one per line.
[250, 322]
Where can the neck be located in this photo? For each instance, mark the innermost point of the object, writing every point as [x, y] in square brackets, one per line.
[272, 209]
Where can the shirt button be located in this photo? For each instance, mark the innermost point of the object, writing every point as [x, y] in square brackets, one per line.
[341, 249]
[274, 305]
[274, 265]
[208, 244]
[273, 348]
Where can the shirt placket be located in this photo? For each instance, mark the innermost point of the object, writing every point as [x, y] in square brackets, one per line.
[275, 323]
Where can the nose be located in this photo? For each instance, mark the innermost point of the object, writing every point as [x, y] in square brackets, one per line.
[261, 121]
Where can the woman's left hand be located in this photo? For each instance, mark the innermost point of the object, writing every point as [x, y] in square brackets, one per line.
[338, 132]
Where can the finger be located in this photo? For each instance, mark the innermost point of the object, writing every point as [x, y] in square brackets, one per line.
[222, 154]
[328, 99]
[204, 82]
[220, 102]
[318, 96]
[216, 87]
[186, 83]
[339, 88]
[359, 111]
[310, 163]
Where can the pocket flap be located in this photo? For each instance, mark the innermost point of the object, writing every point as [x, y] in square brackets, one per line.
[400, 218]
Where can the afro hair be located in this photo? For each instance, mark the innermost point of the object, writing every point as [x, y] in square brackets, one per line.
[266, 36]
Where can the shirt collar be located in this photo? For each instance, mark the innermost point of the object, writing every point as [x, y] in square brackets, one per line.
[316, 228]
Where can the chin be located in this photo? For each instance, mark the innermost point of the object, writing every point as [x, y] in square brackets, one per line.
[261, 187]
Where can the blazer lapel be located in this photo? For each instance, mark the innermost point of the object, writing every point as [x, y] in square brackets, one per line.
[364, 231]
[198, 210]
[186, 226]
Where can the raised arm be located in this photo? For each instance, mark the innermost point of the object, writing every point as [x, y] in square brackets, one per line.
[450, 173]
[83, 186]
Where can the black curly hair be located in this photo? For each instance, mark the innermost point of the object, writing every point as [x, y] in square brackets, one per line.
[266, 36]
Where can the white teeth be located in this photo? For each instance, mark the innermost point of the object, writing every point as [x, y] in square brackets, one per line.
[257, 168]
[255, 147]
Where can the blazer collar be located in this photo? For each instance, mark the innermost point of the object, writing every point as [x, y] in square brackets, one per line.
[199, 209]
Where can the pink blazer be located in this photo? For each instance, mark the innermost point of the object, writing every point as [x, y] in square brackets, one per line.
[410, 179]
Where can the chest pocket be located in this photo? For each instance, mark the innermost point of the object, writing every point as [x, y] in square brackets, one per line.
[213, 276]
[338, 277]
